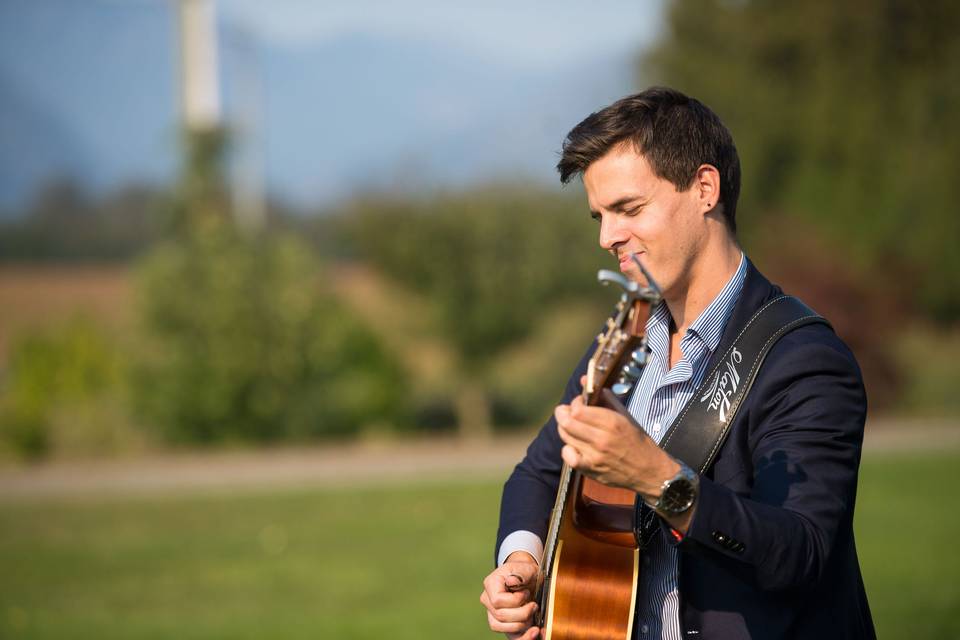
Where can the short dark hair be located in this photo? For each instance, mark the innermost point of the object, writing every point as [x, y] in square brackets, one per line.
[675, 133]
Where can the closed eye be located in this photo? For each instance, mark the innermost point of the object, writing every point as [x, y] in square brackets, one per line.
[595, 216]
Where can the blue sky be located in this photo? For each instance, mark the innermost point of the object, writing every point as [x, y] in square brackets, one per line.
[353, 95]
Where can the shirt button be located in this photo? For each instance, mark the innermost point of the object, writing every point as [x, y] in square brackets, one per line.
[644, 628]
[656, 427]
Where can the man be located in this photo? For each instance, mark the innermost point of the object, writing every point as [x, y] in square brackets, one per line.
[766, 548]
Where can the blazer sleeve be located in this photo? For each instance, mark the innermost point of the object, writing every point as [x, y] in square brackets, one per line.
[530, 491]
[805, 416]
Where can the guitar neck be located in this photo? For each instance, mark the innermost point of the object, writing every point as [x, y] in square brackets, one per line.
[556, 516]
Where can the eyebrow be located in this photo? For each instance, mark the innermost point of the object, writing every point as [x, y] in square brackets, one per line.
[622, 203]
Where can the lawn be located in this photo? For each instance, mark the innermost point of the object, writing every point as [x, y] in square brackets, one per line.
[394, 562]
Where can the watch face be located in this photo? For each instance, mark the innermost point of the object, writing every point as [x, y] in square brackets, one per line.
[679, 493]
[678, 496]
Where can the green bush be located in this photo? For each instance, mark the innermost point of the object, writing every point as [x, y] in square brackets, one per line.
[244, 344]
[59, 387]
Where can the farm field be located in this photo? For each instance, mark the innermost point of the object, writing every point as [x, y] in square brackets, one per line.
[38, 296]
[400, 560]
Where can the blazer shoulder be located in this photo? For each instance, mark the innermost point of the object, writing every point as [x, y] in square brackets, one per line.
[809, 376]
[814, 343]
[813, 351]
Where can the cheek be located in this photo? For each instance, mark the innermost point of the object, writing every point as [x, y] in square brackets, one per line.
[643, 229]
[669, 250]
[682, 232]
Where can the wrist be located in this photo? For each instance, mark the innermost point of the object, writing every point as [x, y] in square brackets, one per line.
[652, 487]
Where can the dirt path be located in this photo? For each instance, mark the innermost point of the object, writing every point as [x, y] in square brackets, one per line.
[346, 465]
[349, 465]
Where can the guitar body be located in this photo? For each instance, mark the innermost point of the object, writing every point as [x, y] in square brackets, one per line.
[592, 587]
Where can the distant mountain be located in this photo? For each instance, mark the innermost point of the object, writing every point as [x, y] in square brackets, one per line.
[87, 91]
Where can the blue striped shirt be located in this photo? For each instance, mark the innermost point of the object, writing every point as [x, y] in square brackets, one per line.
[660, 394]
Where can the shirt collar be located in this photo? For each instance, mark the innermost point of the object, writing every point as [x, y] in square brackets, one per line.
[709, 325]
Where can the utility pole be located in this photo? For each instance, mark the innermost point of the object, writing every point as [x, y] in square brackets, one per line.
[203, 188]
[208, 140]
[199, 80]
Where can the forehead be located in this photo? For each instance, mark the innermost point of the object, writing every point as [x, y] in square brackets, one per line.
[621, 173]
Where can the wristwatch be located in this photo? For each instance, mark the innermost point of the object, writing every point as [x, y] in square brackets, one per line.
[679, 492]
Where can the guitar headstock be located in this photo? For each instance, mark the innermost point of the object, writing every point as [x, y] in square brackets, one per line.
[622, 347]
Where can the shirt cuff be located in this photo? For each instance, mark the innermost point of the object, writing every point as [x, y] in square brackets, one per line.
[520, 541]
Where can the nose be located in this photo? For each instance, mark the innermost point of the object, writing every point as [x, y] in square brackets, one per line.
[612, 234]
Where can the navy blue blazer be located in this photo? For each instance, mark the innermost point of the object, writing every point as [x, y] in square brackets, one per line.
[770, 551]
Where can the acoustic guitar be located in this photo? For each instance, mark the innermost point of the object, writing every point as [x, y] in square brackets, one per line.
[586, 587]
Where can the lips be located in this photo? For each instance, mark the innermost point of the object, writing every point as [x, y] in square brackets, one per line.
[626, 261]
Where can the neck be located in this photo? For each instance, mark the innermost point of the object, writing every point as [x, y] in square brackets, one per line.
[706, 276]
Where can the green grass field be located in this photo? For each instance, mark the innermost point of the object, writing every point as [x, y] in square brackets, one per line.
[402, 562]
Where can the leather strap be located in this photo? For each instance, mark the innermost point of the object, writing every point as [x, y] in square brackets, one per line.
[700, 429]
[698, 432]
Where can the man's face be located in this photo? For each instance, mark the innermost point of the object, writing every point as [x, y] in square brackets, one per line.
[643, 214]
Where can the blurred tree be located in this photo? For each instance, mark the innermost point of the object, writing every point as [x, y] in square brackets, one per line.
[493, 263]
[246, 344]
[845, 118]
[64, 224]
[202, 203]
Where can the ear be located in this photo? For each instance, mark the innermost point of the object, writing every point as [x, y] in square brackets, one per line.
[706, 187]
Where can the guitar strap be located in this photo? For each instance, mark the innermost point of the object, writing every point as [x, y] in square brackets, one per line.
[700, 429]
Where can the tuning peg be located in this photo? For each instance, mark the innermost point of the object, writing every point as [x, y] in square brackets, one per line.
[632, 372]
[622, 388]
